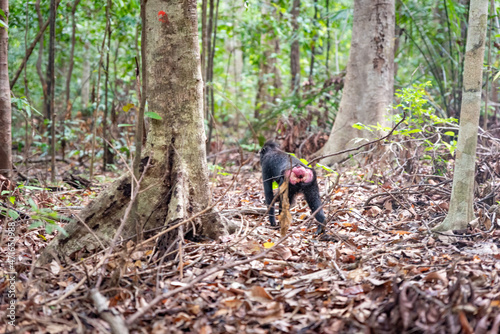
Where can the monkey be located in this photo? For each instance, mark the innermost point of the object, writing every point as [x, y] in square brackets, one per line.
[279, 166]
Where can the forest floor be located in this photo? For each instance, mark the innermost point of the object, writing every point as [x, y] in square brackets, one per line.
[378, 269]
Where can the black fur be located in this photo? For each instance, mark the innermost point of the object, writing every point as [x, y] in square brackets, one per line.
[274, 163]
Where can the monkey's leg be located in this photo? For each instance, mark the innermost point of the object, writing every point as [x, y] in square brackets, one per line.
[313, 199]
[268, 191]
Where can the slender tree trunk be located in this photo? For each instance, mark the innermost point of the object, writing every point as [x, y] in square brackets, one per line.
[51, 82]
[97, 91]
[313, 46]
[368, 88]
[70, 73]
[105, 155]
[204, 41]
[5, 109]
[328, 39]
[26, 32]
[71, 59]
[210, 79]
[85, 92]
[28, 118]
[488, 73]
[295, 48]
[461, 211]
[208, 53]
[269, 82]
[40, 60]
[175, 182]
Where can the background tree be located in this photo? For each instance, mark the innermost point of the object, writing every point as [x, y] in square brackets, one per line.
[175, 181]
[5, 109]
[51, 83]
[461, 210]
[368, 88]
[295, 48]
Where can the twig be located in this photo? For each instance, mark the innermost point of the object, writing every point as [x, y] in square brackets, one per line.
[361, 146]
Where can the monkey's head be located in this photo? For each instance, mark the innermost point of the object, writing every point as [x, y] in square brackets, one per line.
[299, 174]
[268, 146]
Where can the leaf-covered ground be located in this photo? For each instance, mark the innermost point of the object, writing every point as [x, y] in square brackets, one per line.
[378, 269]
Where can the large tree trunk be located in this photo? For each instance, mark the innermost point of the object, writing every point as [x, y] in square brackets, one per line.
[369, 81]
[175, 185]
[5, 110]
[461, 210]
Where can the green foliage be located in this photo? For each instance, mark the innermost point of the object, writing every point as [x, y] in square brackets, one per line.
[152, 115]
[422, 121]
[217, 168]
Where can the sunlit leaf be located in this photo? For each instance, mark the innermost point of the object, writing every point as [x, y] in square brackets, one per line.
[152, 115]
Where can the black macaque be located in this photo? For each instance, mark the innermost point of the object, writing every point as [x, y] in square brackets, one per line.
[276, 165]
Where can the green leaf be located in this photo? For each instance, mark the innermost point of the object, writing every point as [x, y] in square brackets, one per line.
[152, 115]
[12, 199]
[328, 169]
[496, 76]
[124, 125]
[275, 185]
[32, 188]
[450, 133]
[304, 161]
[49, 228]
[32, 204]
[35, 224]
[13, 214]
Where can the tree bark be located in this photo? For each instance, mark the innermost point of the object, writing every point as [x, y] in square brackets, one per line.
[175, 182]
[461, 210]
[5, 108]
[368, 88]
